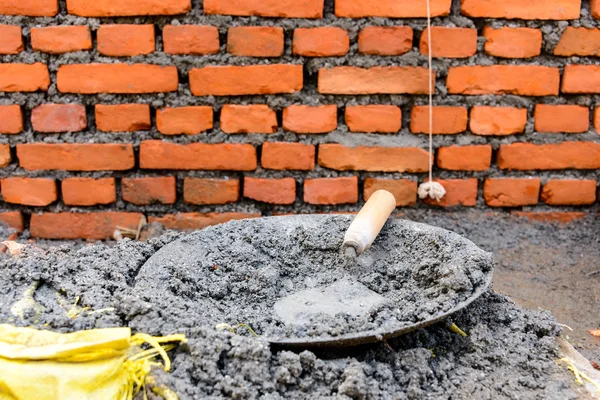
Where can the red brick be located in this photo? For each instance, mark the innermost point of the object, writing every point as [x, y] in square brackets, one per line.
[61, 39]
[24, 77]
[255, 41]
[59, 118]
[256, 118]
[191, 39]
[310, 119]
[596, 119]
[449, 42]
[497, 121]
[465, 158]
[404, 190]
[273, 191]
[459, 192]
[552, 216]
[385, 40]
[390, 8]
[5, 156]
[518, 9]
[125, 8]
[155, 154]
[29, 191]
[11, 119]
[513, 42]
[446, 119]
[13, 219]
[375, 80]
[595, 8]
[76, 157]
[125, 40]
[149, 190]
[88, 191]
[246, 80]
[374, 118]
[578, 42]
[528, 156]
[523, 80]
[184, 120]
[93, 226]
[195, 221]
[511, 192]
[581, 79]
[210, 191]
[383, 159]
[123, 117]
[116, 78]
[31, 8]
[569, 192]
[331, 190]
[561, 118]
[12, 42]
[325, 41]
[266, 8]
[288, 156]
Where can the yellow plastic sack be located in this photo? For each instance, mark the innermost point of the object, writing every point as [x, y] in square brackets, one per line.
[101, 364]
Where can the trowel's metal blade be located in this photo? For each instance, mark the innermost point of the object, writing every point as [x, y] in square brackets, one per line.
[344, 296]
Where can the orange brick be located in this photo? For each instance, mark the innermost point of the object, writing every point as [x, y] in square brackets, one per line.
[61, 39]
[5, 156]
[596, 119]
[518, 9]
[31, 8]
[256, 118]
[184, 120]
[155, 154]
[266, 8]
[581, 79]
[24, 77]
[13, 219]
[459, 192]
[528, 156]
[210, 191]
[497, 121]
[88, 191]
[331, 190]
[273, 191]
[385, 40]
[92, 226]
[255, 41]
[325, 41]
[11, 119]
[191, 39]
[75, 157]
[29, 191]
[383, 159]
[123, 117]
[252, 79]
[450, 42]
[523, 80]
[288, 156]
[465, 158]
[511, 192]
[552, 216]
[446, 119]
[595, 8]
[374, 118]
[390, 8]
[125, 8]
[125, 40]
[310, 119]
[50, 118]
[513, 42]
[404, 190]
[149, 190]
[375, 80]
[116, 78]
[561, 118]
[569, 192]
[578, 42]
[12, 42]
[195, 221]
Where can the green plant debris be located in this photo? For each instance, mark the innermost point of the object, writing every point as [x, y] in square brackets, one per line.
[233, 329]
[454, 328]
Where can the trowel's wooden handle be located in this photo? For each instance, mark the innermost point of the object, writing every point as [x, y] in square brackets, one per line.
[369, 221]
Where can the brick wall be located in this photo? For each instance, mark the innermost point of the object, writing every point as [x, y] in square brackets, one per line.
[193, 113]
